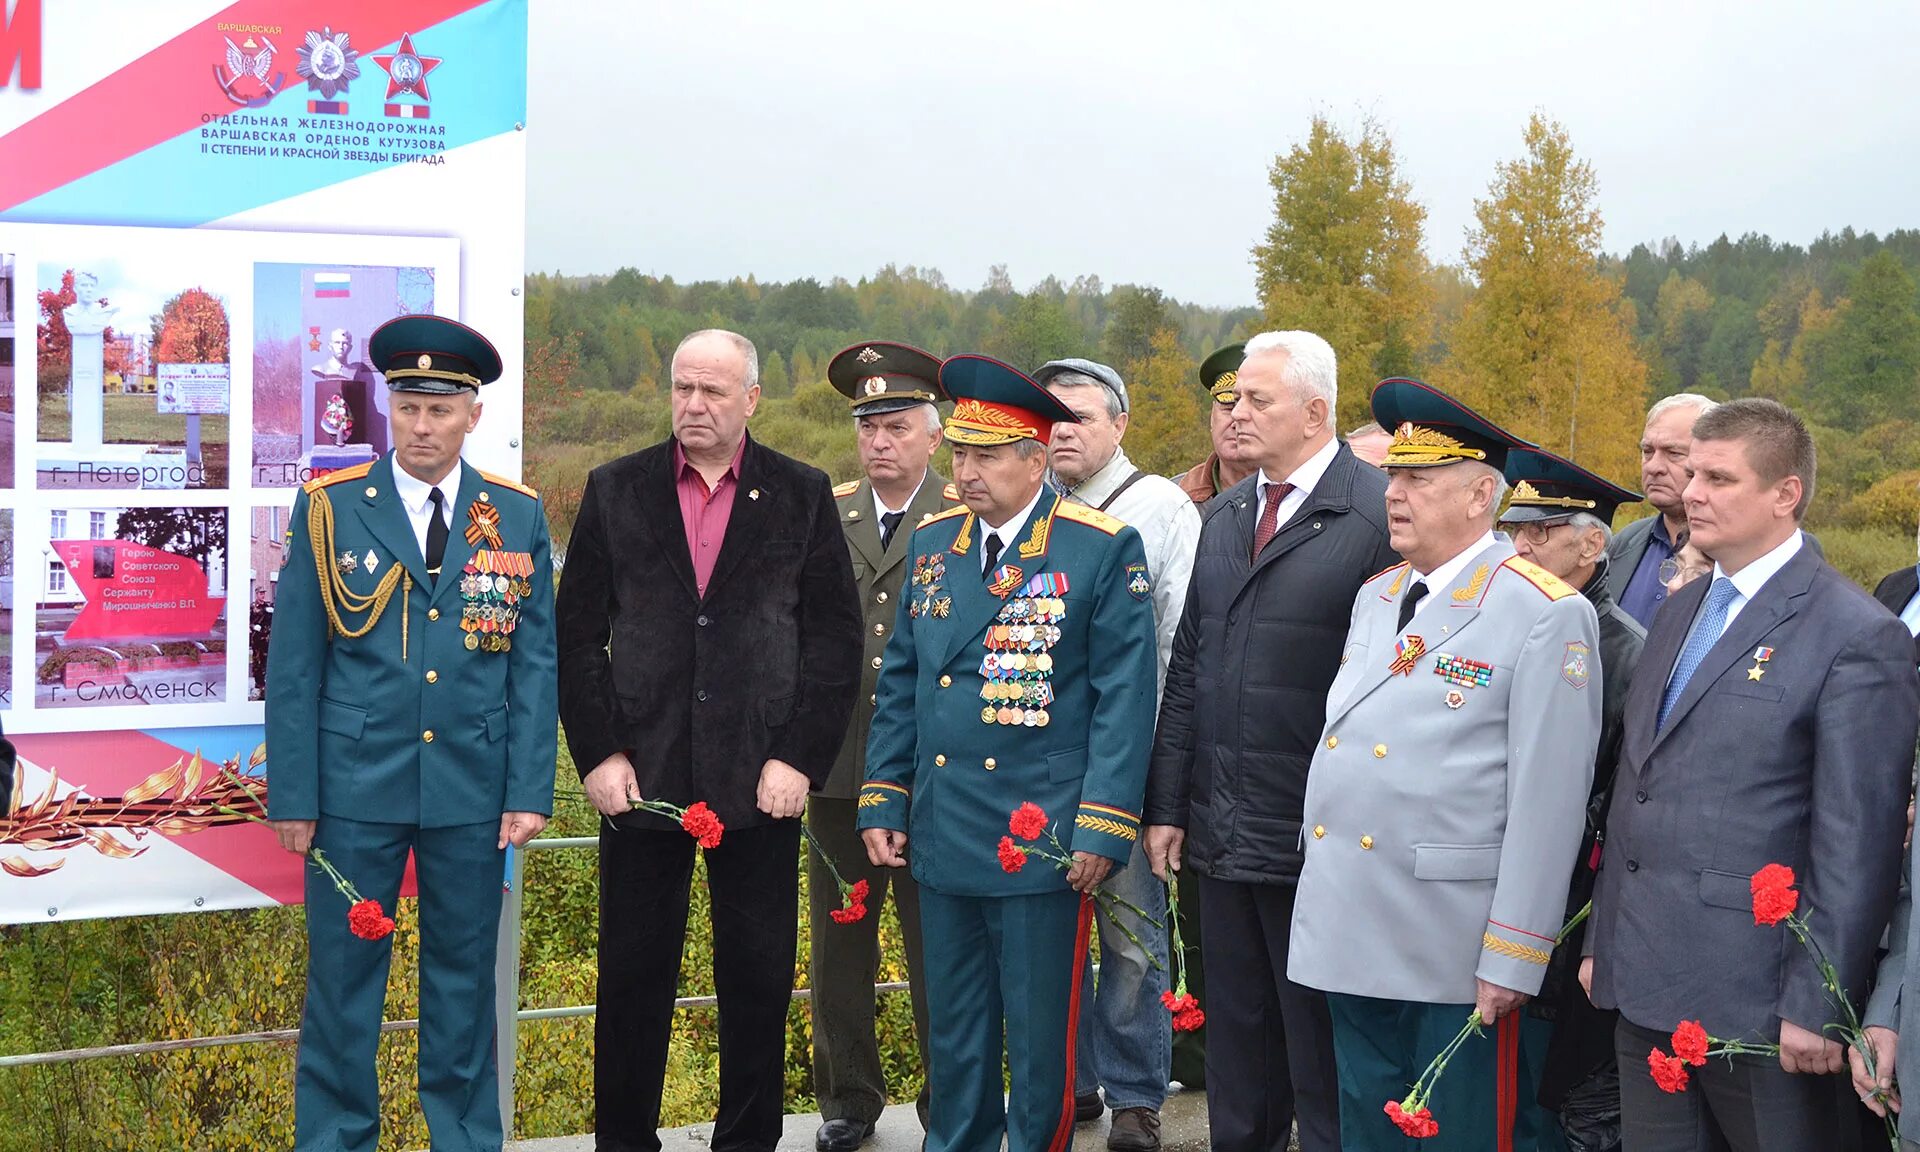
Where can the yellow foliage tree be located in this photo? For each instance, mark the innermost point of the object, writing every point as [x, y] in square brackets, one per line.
[1546, 348]
[1342, 257]
[1167, 421]
[1780, 372]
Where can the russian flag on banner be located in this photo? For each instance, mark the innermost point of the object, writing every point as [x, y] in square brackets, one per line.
[407, 111]
[332, 285]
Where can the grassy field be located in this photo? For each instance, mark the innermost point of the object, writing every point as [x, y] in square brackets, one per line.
[133, 420]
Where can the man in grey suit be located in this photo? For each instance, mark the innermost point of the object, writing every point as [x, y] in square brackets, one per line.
[893, 389]
[1772, 721]
[1641, 547]
[1447, 796]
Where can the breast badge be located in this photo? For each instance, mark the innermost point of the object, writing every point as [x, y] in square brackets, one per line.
[927, 597]
[1459, 670]
[492, 586]
[1018, 666]
[1406, 653]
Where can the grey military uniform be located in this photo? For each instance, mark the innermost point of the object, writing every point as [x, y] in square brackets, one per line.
[1446, 800]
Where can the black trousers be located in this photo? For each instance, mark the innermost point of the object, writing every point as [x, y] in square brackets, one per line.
[645, 880]
[1269, 1040]
[1748, 1105]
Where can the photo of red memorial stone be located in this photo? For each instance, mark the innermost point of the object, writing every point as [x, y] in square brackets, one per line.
[135, 621]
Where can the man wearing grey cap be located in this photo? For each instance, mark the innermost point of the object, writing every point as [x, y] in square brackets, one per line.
[1125, 1039]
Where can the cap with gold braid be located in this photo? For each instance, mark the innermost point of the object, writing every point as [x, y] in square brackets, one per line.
[882, 376]
[432, 354]
[995, 403]
[1220, 371]
[1551, 487]
[1432, 430]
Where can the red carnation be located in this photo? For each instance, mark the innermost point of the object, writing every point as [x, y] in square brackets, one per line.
[1419, 1123]
[1012, 856]
[858, 893]
[1028, 821]
[1773, 896]
[368, 921]
[849, 914]
[1690, 1042]
[702, 824]
[1670, 1072]
[1189, 1019]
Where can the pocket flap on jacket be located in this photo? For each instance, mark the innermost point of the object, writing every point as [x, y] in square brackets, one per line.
[497, 723]
[1726, 890]
[343, 719]
[1068, 765]
[1456, 861]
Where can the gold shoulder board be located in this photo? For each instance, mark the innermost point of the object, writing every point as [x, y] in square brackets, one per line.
[340, 476]
[1554, 587]
[1091, 517]
[503, 482]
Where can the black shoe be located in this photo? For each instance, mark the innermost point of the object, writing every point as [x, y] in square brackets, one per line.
[1135, 1130]
[1087, 1106]
[842, 1135]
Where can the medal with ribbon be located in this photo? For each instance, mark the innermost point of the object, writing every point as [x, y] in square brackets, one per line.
[483, 523]
[1407, 652]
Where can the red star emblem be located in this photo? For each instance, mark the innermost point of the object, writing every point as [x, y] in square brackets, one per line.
[407, 70]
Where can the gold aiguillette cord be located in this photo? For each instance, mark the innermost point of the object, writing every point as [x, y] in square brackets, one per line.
[334, 592]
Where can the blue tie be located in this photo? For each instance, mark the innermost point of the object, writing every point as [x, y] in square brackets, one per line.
[1706, 631]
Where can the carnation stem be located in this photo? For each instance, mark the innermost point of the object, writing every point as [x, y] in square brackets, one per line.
[839, 881]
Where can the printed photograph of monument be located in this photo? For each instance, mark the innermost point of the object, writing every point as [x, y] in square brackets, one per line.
[317, 404]
[6, 371]
[268, 556]
[133, 363]
[130, 607]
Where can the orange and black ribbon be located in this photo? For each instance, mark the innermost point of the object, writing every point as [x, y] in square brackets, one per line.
[483, 523]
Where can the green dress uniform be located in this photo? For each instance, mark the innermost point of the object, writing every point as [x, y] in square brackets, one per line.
[849, 1082]
[409, 711]
[1032, 681]
[1444, 809]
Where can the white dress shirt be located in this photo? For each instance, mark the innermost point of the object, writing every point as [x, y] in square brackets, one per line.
[416, 496]
[1304, 479]
[1444, 575]
[1749, 580]
[880, 506]
[1009, 533]
[1910, 615]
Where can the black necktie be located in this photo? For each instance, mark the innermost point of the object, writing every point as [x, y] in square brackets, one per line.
[1414, 595]
[889, 521]
[990, 551]
[436, 533]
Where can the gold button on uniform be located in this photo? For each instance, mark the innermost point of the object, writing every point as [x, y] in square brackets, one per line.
[1379, 751]
[946, 681]
[880, 597]
[876, 661]
[427, 735]
[1333, 741]
[1319, 830]
[1366, 842]
[991, 764]
[874, 699]
[372, 492]
[432, 676]
[879, 629]
[433, 613]
[940, 761]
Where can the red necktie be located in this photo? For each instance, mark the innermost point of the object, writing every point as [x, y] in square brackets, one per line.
[1269, 516]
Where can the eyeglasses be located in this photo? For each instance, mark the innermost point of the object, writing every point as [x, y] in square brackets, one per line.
[1672, 569]
[1534, 531]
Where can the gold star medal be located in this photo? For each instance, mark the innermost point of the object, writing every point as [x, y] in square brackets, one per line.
[1761, 655]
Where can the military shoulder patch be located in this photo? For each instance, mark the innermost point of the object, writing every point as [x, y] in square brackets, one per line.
[1554, 587]
[950, 492]
[503, 482]
[947, 515]
[1574, 665]
[842, 491]
[340, 476]
[1138, 586]
[1091, 517]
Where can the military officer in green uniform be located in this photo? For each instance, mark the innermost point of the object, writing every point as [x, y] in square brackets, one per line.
[1021, 669]
[1447, 798]
[411, 707]
[893, 389]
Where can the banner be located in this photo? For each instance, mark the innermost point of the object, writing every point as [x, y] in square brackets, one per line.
[205, 209]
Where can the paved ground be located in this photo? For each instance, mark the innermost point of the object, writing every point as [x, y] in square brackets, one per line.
[1183, 1129]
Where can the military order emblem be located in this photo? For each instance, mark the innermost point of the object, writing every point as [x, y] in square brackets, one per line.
[1018, 666]
[1761, 655]
[874, 385]
[1138, 586]
[1574, 669]
[327, 62]
[867, 356]
[926, 596]
[1455, 698]
[347, 563]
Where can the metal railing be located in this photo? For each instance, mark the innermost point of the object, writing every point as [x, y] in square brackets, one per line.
[507, 1011]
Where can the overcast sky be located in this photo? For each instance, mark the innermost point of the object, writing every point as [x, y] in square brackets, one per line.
[1131, 140]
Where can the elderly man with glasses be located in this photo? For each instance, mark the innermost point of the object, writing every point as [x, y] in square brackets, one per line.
[1560, 518]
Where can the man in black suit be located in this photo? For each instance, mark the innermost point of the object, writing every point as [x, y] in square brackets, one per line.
[1900, 592]
[1642, 546]
[1772, 721]
[717, 569]
[1282, 555]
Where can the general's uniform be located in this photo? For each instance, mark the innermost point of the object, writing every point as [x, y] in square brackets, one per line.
[407, 712]
[848, 1080]
[1032, 683]
[1443, 812]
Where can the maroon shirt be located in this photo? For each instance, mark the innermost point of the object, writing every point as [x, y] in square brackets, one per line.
[705, 511]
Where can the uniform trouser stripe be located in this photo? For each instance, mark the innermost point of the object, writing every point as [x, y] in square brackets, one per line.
[1063, 1135]
[1506, 1079]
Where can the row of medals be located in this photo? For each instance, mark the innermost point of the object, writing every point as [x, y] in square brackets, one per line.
[492, 586]
[1018, 665]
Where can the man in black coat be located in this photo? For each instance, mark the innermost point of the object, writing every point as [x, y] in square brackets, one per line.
[1900, 592]
[1558, 517]
[709, 636]
[1282, 555]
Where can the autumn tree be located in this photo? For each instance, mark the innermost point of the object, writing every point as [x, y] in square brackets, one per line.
[1793, 327]
[773, 376]
[197, 533]
[1137, 316]
[1867, 372]
[1342, 257]
[191, 329]
[1167, 421]
[1033, 331]
[1683, 319]
[1545, 348]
